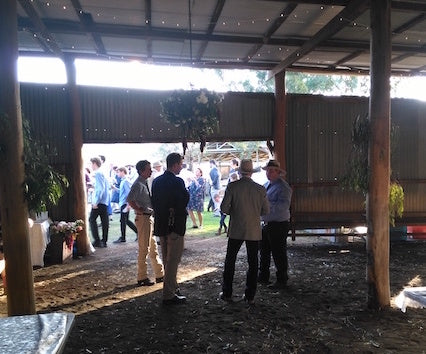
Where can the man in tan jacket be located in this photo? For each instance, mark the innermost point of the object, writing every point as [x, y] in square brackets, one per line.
[245, 201]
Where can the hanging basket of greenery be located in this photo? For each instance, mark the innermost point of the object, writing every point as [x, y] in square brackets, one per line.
[357, 172]
[195, 113]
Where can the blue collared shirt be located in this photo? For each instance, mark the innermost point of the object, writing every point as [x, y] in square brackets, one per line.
[279, 196]
[101, 193]
[124, 191]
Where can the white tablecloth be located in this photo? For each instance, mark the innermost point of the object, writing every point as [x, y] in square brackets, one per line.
[411, 297]
[39, 238]
[41, 334]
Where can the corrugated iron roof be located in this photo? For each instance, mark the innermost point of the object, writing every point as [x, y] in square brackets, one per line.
[320, 35]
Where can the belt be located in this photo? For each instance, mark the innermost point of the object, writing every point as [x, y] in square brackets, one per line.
[147, 214]
[273, 222]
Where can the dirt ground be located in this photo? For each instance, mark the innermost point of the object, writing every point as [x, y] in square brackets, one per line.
[323, 310]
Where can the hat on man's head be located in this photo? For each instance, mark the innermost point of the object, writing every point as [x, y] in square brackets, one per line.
[246, 166]
[274, 164]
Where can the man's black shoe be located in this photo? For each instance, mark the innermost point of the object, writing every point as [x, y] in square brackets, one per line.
[175, 300]
[159, 280]
[249, 301]
[103, 244]
[145, 282]
[119, 240]
[97, 244]
[225, 298]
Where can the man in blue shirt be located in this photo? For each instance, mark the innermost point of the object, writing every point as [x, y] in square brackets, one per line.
[100, 201]
[276, 225]
[124, 190]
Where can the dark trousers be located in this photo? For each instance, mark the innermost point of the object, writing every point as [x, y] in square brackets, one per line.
[124, 221]
[274, 241]
[234, 246]
[222, 220]
[101, 211]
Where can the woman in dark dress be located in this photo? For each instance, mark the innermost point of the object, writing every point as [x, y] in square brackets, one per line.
[196, 198]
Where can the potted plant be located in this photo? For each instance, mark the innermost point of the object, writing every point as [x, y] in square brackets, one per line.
[195, 113]
[43, 185]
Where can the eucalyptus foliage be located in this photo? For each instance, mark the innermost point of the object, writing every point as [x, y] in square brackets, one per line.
[357, 172]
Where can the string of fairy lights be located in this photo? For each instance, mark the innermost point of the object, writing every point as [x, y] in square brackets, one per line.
[226, 25]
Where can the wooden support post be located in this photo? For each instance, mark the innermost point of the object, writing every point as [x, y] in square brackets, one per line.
[280, 119]
[13, 208]
[379, 157]
[78, 178]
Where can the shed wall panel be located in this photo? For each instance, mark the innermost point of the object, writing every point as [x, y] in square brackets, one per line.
[318, 138]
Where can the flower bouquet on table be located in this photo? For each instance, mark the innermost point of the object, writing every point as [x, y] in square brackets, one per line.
[69, 229]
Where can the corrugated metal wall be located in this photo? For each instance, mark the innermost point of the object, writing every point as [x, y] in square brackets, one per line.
[318, 142]
[119, 115]
[318, 135]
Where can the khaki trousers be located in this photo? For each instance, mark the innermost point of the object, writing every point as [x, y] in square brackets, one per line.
[147, 246]
[171, 248]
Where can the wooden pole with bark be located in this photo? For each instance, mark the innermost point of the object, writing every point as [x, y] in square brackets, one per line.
[77, 169]
[379, 157]
[280, 119]
[13, 208]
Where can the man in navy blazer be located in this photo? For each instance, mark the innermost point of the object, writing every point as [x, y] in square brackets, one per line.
[169, 201]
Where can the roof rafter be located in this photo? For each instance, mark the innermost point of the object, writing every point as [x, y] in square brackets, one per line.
[47, 38]
[87, 24]
[402, 28]
[350, 12]
[213, 20]
[148, 23]
[271, 30]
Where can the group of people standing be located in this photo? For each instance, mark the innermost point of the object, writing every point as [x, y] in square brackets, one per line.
[259, 216]
[166, 199]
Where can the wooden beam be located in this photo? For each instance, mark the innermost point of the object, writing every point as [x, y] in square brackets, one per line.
[409, 24]
[349, 13]
[395, 4]
[400, 29]
[13, 208]
[78, 182]
[40, 26]
[285, 13]
[379, 157]
[87, 23]
[213, 21]
[148, 24]
[280, 119]
[125, 31]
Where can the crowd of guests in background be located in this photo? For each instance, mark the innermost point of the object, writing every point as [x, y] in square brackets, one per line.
[162, 199]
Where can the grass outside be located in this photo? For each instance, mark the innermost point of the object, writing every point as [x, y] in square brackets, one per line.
[210, 226]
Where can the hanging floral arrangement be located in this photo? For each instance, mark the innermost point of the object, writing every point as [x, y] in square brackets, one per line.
[195, 113]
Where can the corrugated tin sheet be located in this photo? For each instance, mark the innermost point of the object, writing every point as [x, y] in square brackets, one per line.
[318, 134]
[47, 109]
[318, 142]
[119, 115]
